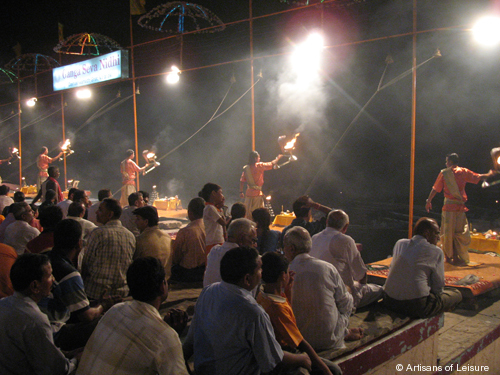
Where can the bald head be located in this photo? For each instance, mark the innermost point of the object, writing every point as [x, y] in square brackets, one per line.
[337, 219]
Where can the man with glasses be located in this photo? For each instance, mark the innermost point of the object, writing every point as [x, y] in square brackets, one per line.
[19, 233]
[415, 286]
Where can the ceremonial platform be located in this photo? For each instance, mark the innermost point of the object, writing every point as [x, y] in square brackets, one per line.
[487, 271]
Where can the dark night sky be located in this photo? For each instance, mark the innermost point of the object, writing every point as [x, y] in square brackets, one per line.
[457, 100]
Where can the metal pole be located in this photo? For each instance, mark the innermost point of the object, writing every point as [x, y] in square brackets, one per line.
[251, 75]
[135, 99]
[63, 133]
[413, 118]
[64, 139]
[19, 117]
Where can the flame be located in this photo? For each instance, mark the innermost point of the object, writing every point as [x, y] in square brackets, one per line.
[150, 155]
[291, 144]
[14, 150]
[268, 198]
[66, 144]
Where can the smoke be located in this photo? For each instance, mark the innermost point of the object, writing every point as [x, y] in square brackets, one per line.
[175, 186]
[299, 102]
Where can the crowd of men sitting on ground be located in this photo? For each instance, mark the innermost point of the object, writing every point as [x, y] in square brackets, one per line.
[82, 286]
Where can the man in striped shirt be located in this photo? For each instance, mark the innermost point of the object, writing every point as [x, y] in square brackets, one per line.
[109, 253]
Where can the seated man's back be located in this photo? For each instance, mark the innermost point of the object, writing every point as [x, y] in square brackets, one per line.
[109, 253]
[416, 286]
[321, 303]
[230, 333]
[131, 338]
[228, 322]
[334, 246]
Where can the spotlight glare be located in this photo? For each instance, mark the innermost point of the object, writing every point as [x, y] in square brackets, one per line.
[307, 56]
[31, 102]
[83, 94]
[487, 30]
[173, 75]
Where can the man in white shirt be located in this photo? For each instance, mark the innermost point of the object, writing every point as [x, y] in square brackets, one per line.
[76, 211]
[333, 246]
[241, 232]
[131, 337]
[19, 233]
[415, 286]
[321, 303]
[64, 205]
[4, 199]
[26, 341]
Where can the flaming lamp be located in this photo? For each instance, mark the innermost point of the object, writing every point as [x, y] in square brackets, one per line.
[150, 158]
[14, 152]
[66, 148]
[287, 148]
[495, 179]
[267, 204]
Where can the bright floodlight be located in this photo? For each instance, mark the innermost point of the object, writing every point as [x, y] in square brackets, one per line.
[83, 94]
[487, 30]
[173, 75]
[307, 56]
[31, 102]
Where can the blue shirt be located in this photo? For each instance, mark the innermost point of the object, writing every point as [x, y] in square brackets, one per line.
[268, 241]
[26, 343]
[231, 333]
[68, 295]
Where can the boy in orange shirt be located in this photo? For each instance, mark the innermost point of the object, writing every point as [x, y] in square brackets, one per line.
[275, 298]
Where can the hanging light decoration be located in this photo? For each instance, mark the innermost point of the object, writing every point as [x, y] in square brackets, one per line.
[179, 17]
[6, 76]
[87, 44]
[32, 63]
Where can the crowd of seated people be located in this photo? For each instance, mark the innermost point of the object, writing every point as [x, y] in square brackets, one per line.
[86, 298]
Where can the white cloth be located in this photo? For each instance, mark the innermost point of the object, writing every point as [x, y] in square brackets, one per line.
[231, 333]
[64, 205]
[5, 201]
[26, 341]
[417, 268]
[91, 213]
[214, 234]
[87, 226]
[18, 234]
[130, 339]
[212, 269]
[340, 250]
[321, 303]
[128, 219]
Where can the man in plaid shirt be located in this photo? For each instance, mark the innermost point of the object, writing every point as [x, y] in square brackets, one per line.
[131, 337]
[109, 253]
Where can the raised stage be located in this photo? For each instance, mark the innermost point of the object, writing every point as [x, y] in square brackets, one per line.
[488, 272]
